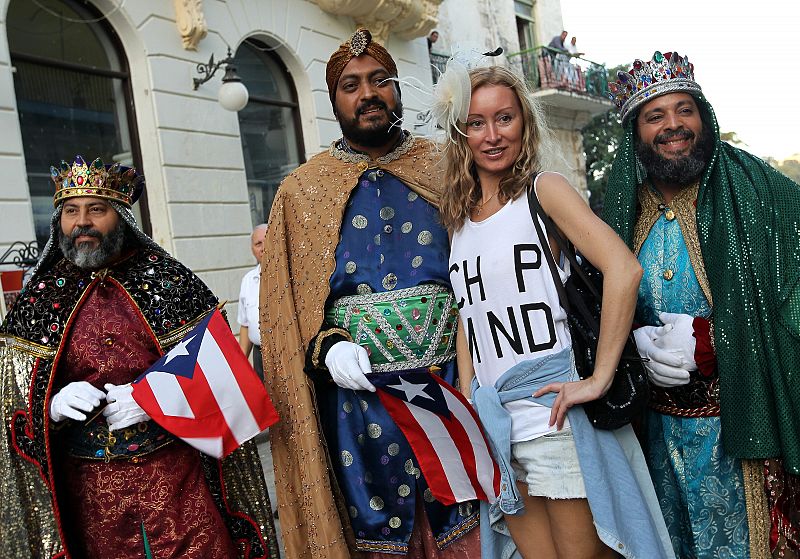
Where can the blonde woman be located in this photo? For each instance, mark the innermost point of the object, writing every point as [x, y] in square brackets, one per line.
[569, 491]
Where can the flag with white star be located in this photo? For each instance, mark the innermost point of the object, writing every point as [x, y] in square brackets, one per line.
[445, 434]
[205, 391]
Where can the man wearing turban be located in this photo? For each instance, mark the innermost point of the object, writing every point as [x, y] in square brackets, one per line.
[716, 231]
[355, 259]
[85, 472]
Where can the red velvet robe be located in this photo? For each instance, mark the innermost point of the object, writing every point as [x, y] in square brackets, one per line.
[107, 506]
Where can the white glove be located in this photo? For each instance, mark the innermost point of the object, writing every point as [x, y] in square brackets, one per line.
[664, 367]
[348, 364]
[122, 410]
[680, 339]
[73, 399]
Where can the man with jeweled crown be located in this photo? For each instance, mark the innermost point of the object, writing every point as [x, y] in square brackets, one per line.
[354, 234]
[86, 473]
[717, 232]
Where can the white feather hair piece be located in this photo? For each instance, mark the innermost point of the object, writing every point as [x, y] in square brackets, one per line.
[451, 97]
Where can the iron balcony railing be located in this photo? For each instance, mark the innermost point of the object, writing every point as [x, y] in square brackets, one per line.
[548, 68]
[438, 63]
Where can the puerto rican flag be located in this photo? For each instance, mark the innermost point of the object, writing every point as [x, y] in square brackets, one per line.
[444, 433]
[205, 391]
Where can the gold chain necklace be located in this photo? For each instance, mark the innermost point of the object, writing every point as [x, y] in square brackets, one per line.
[480, 209]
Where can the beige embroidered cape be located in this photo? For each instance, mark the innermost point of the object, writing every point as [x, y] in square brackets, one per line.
[298, 261]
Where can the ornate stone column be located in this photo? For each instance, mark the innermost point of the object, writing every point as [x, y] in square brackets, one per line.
[408, 19]
[191, 22]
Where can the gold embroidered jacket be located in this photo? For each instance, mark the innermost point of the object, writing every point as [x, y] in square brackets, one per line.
[299, 258]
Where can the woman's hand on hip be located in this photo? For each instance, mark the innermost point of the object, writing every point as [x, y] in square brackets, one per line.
[571, 393]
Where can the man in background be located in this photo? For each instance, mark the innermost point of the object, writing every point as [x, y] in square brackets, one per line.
[247, 317]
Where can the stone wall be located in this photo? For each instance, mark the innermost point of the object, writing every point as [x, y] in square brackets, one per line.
[190, 145]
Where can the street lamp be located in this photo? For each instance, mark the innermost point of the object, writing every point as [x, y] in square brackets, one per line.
[233, 94]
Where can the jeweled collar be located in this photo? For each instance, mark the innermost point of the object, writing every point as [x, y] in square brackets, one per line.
[343, 152]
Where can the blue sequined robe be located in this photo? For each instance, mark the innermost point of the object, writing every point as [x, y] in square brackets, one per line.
[700, 488]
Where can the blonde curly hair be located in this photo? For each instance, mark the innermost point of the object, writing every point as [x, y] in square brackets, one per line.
[462, 191]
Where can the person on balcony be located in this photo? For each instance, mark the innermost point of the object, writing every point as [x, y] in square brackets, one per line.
[555, 62]
[355, 232]
[715, 230]
[557, 42]
[432, 38]
[574, 71]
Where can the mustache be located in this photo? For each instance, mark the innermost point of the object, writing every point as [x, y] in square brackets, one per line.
[85, 232]
[370, 104]
[680, 134]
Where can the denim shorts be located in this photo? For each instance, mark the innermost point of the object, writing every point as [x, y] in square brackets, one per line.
[549, 465]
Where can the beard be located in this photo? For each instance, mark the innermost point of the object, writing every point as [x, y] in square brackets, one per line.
[86, 256]
[372, 135]
[681, 171]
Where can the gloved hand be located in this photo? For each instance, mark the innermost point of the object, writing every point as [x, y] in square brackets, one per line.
[348, 364]
[679, 340]
[122, 410]
[665, 367]
[73, 399]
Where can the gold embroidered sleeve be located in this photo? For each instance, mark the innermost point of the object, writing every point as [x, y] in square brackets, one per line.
[321, 338]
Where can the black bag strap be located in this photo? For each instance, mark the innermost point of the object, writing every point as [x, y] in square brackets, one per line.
[567, 249]
[563, 245]
[533, 205]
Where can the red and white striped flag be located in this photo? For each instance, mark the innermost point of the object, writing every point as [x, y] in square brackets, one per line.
[205, 391]
[445, 434]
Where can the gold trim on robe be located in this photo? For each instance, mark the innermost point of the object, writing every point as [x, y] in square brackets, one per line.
[683, 205]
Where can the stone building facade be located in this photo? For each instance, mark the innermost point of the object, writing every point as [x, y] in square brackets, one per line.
[114, 78]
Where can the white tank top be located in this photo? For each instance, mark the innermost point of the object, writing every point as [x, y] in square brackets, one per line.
[508, 303]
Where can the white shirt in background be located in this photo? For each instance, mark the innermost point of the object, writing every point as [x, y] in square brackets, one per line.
[248, 304]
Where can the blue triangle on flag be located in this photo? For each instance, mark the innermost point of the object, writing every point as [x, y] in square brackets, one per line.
[181, 359]
[416, 387]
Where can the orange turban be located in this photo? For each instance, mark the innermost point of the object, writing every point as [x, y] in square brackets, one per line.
[360, 43]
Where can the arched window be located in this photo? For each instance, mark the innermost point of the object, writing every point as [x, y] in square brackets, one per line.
[269, 125]
[73, 93]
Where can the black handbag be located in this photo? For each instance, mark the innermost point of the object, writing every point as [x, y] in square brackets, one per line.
[581, 297]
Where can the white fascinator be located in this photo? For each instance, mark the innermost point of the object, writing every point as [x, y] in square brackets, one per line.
[451, 97]
[453, 90]
[448, 101]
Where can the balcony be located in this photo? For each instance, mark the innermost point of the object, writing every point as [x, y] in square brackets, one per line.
[564, 81]
[438, 64]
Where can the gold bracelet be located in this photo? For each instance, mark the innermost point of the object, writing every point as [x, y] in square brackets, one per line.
[318, 343]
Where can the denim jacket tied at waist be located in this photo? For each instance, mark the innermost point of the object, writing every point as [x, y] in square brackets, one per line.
[619, 490]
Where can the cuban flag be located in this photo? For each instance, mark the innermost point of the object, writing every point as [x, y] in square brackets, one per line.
[205, 391]
[444, 433]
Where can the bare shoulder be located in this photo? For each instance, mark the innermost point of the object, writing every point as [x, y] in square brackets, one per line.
[555, 193]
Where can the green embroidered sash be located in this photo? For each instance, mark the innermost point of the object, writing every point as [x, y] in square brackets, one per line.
[403, 329]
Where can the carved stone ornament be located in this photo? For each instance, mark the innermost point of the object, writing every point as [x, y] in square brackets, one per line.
[191, 22]
[408, 19]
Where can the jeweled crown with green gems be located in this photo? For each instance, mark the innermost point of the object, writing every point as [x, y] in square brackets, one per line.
[112, 182]
[665, 73]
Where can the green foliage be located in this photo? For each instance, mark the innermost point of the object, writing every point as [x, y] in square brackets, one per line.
[789, 167]
[601, 139]
[732, 138]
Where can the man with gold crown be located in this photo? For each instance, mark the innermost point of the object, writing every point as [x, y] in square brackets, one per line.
[716, 231]
[86, 481]
[354, 238]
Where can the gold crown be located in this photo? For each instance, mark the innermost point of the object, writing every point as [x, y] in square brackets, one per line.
[112, 182]
[665, 73]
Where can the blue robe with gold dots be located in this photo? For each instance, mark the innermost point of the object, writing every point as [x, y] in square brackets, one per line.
[390, 239]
